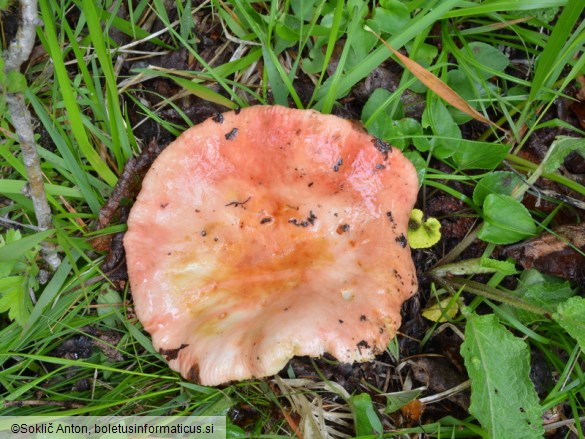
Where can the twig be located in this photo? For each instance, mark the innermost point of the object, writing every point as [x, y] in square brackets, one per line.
[18, 52]
[38, 403]
[446, 394]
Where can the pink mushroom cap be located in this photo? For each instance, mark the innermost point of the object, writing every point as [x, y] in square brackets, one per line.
[268, 233]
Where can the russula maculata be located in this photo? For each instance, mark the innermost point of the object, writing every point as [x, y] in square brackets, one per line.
[266, 233]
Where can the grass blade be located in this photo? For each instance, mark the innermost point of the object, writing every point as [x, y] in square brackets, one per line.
[432, 12]
[546, 73]
[69, 100]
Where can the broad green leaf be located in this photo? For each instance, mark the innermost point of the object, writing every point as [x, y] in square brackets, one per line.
[560, 149]
[500, 182]
[402, 131]
[365, 417]
[376, 114]
[503, 398]
[571, 316]
[419, 164]
[460, 82]
[506, 220]
[544, 291]
[479, 155]
[391, 17]
[488, 56]
[303, 9]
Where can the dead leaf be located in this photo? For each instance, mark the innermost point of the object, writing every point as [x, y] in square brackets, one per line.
[437, 85]
[578, 108]
[560, 253]
[438, 375]
[413, 411]
[441, 310]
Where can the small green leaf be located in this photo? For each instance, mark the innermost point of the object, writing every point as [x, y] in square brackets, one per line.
[537, 17]
[506, 220]
[15, 82]
[7, 266]
[571, 316]
[15, 299]
[374, 117]
[479, 155]
[460, 82]
[423, 234]
[314, 63]
[447, 133]
[361, 45]
[288, 29]
[503, 398]
[424, 55]
[365, 417]
[488, 56]
[500, 182]
[391, 17]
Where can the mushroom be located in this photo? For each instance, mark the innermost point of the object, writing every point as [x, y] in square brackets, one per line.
[267, 233]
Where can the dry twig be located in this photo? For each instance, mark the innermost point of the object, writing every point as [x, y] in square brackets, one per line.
[18, 52]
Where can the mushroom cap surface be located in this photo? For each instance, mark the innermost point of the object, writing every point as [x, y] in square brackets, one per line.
[268, 233]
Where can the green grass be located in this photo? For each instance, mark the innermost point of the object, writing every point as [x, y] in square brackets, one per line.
[512, 61]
